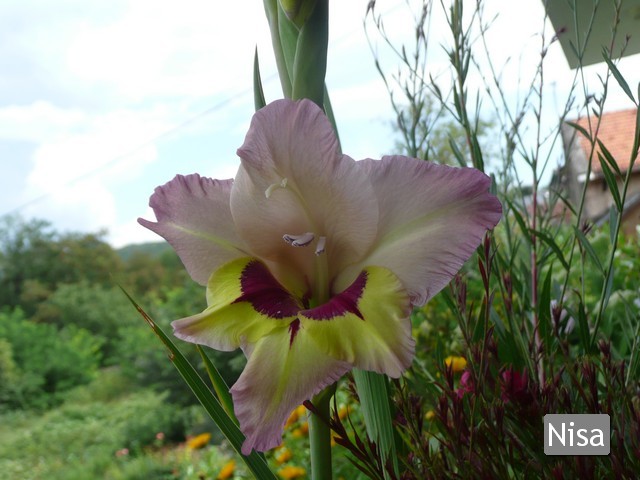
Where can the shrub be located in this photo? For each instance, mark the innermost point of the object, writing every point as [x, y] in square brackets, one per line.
[50, 361]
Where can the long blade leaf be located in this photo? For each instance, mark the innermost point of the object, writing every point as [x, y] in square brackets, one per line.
[374, 401]
[258, 92]
[256, 464]
[219, 385]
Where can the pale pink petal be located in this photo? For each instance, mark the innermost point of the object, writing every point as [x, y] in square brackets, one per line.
[284, 369]
[432, 218]
[193, 215]
[293, 180]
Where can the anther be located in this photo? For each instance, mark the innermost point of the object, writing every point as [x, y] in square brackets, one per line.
[299, 240]
[274, 186]
[320, 245]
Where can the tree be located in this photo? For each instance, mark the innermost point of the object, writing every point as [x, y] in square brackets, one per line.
[35, 259]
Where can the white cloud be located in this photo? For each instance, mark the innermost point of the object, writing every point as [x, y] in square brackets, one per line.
[116, 140]
[39, 121]
[167, 48]
[88, 204]
[77, 173]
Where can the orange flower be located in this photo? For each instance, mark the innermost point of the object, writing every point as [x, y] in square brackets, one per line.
[343, 411]
[284, 455]
[290, 472]
[227, 470]
[457, 364]
[295, 415]
[198, 441]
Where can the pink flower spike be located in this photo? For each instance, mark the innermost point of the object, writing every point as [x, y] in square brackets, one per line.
[515, 386]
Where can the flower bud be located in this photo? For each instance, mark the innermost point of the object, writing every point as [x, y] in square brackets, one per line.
[298, 11]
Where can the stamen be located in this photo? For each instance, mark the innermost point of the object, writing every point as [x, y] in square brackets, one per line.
[274, 186]
[320, 245]
[299, 240]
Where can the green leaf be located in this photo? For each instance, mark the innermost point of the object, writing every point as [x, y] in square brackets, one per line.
[376, 410]
[608, 289]
[636, 141]
[519, 220]
[288, 38]
[258, 93]
[618, 76]
[256, 464]
[583, 325]
[634, 361]
[611, 182]
[219, 385]
[613, 224]
[328, 109]
[566, 202]
[589, 249]
[553, 245]
[609, 158]
[271, 8]
[310, 65]
[544, 309]
[581, 129]
[456, 152]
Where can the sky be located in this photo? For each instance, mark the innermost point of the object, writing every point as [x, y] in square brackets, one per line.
[100, 102]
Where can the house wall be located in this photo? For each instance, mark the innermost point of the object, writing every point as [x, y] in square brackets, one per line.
[631, 220]
[575, 163]
[598, 199]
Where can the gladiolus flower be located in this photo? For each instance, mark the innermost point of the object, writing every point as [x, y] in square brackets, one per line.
[312, 261]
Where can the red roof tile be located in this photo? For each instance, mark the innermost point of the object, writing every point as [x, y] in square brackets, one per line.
[616, 133]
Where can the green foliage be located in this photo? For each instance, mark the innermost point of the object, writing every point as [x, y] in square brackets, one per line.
[9, 372]
[35, 259]
[49, 361]
[547, 314]
[151, 249]
[153, 270]
[100, 310]
[81, 439]
[145, 362]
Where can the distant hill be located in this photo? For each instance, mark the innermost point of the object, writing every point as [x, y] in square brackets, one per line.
[154, 249]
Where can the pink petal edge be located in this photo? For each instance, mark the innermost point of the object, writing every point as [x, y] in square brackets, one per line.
[194, 216]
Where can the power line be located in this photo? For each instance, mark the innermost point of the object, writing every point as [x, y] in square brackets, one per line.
[115, 160]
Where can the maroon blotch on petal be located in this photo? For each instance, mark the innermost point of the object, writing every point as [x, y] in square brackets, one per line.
[345, 302]
[293, 330]
[264, 292]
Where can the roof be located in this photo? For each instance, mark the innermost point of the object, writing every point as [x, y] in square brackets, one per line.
[573, 21]
[616, 132]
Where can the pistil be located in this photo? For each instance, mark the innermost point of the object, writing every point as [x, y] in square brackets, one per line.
[274, 186]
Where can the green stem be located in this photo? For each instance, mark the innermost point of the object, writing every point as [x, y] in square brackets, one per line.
[320, 435]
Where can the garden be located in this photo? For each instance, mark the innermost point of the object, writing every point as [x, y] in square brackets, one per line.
[542, 316]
